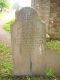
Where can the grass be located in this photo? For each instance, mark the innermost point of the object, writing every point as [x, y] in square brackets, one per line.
[6, 66]
[5, 60]
[7, 25]
[54, 44]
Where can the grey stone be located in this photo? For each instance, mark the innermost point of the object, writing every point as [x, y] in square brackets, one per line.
[43, 9]
[28, 43]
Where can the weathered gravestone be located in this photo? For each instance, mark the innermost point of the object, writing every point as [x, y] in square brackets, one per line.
[28, 43]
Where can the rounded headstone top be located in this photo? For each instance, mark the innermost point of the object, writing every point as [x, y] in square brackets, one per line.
[26, 11]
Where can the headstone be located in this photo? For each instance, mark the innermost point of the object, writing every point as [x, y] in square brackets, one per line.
[28, 43]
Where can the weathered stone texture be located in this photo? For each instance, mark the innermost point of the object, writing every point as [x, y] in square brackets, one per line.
[54, 23]
[28, 43]
[43, 9]
[49, 11]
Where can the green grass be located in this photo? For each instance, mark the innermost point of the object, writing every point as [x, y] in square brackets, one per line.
[6, 66]
[7, 25]
[54, 44]
[5, 60]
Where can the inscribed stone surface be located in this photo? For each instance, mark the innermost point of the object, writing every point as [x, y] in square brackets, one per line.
[28, 43]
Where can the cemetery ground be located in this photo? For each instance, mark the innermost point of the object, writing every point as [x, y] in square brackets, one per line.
[6, 65]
